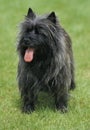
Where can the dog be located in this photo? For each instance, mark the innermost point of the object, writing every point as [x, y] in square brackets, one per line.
[45, 60]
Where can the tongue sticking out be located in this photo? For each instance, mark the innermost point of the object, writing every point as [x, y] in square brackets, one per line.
[28, 57]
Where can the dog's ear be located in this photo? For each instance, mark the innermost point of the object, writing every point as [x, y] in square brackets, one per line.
[52, 17]
[31, 14]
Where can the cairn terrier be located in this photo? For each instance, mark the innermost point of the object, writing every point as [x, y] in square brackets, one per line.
[45, 60]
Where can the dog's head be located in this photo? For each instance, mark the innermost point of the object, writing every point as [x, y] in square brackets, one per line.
[37, 35]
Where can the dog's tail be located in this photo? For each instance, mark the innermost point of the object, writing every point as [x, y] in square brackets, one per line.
[73, 85]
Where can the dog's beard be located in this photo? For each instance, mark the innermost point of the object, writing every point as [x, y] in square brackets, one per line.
[38, 53]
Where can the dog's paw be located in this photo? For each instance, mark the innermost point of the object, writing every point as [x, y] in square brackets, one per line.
[62, 108]
[28, 109]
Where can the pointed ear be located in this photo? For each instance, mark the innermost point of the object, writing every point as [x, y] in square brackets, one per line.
[31, 14]
[52, 17]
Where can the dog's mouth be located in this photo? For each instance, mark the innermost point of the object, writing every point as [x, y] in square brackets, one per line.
[29, 54]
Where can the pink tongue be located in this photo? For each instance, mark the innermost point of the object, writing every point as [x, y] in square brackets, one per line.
[28, 57]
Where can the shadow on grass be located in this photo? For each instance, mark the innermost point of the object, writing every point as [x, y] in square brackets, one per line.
[45, 101]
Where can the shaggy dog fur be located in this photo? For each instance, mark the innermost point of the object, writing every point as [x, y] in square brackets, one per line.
[45, 60]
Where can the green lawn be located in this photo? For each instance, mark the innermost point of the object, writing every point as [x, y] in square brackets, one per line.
[74, 15]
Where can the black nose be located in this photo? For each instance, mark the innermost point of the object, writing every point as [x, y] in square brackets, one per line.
[26, 40]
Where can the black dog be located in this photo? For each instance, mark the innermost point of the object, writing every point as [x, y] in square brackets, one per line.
[45, 60]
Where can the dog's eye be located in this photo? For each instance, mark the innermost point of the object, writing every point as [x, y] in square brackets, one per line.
[29, 30]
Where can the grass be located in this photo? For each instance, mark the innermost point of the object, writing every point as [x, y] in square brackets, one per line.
[75, 17]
